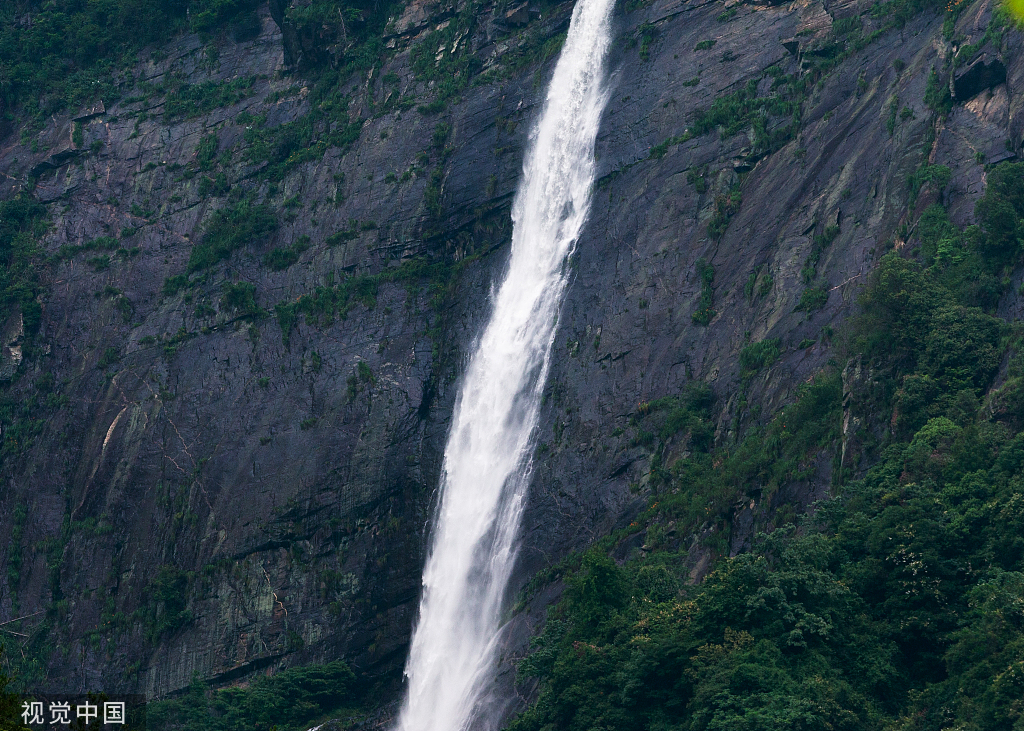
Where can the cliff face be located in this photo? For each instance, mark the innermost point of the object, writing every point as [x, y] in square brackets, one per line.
[258, 297]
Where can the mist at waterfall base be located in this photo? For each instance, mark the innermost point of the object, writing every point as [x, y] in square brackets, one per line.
[487, 460]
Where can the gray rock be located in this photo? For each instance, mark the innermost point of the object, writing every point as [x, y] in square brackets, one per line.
[984, 72]
[292, 487]
[11, 335]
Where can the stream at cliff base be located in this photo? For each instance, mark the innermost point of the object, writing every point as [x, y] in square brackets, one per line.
[487, 461]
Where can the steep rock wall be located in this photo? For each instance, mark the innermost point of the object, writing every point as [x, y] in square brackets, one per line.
[280, 478]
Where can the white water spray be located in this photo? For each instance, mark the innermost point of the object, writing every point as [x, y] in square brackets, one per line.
[487, 461]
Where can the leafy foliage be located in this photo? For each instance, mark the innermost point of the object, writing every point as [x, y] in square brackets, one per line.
[166, 609]
[936, 94]
[281, 148]
[287, 701]
[899, 608]
[61, 53]
[278, 259]
[22, 221]
[194, 100]
[1001, 213]
[336, 300]
[726, 206]
[240, 298]
[704, 312]
[758, 356]
[819, 245]
[10, 704]
[899, 605]
[23, 416]
[231, 228]
[745, 109]
[812, 298]
[452, 68]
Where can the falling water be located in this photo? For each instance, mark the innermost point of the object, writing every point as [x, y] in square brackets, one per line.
[487, 460]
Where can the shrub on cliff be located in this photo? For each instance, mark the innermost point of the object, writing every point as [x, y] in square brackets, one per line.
[288, 701]
[10, 703]
[1001, 210]
[60, 53]
[898, 605]
[22, 221]
[229, 229]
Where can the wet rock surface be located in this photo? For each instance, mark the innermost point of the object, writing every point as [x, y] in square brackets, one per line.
[286, 476]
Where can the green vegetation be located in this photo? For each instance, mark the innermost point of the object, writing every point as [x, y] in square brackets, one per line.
[209, 15]
[229, 229]
[451, 68]
[206, 151]
[938, 176]
[1000, 211]
[726, 206]
[892, 109]
[439, 138]
[22, 222]
[646, 32]
[174, 284]
[14, 554]
[281, 148]
[698, 180]
[109, 357]
[103, 243]
[755, 357]
[217, 186]
[23, 415]
[687, 414]
[63, 53]
[10, 703]
[432, 192]
[355, 26]
[447, 59]
[240, 298]
[165, 610]
[99, 263]
[898, 604]
[936, 94]
[704, 312]
[171, 345]
[744, 109]
[291, 700]
[353, 31]
[531, 47]
[1002, 18]
[856, 621]
[340, 237]
[898, 607]
[326, 303]
[751, 290]
[279, 259]
[748, 287]
[193, 100]
[438, 276]
[812, 298]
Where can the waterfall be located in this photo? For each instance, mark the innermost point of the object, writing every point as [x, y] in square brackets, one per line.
[487, 461]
